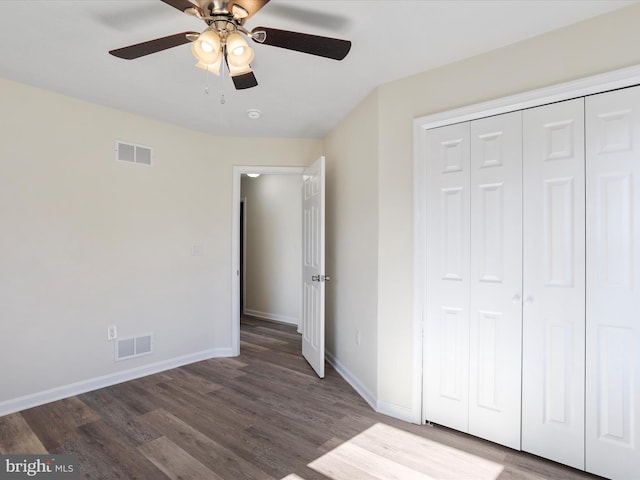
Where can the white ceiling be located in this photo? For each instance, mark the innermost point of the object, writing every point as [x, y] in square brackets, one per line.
[62, 46]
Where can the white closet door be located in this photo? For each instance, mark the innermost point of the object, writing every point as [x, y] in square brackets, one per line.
[446, 335]
[613, 284]
[554, 282]
[496, 279]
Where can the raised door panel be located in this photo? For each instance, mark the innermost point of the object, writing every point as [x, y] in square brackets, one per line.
[446, 336]
[554, 282]
[613, 294]
[496, 279]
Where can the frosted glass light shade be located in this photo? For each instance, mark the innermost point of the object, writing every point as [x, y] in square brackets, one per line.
[206, 48]
[235, 70]
[213, 68]
[239, 54]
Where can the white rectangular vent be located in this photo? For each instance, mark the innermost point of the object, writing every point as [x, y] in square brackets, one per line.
[129, 152]
[134, 347]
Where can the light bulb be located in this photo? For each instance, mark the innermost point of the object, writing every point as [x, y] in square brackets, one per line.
[238, 51]
[206, 47]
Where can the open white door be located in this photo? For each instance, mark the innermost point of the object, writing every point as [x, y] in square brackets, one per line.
[313, 276]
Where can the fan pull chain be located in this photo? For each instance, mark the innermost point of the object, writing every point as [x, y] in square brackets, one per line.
[224, 76]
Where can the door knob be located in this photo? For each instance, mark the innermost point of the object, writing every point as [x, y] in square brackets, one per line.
[315, 278]
[516, 299]
[325, 278]
[528, 300]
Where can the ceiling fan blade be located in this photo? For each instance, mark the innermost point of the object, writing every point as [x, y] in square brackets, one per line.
[245, 80]
[183, 5]
[251, 6]
[330, 21]
[152, 46]
[302, 42]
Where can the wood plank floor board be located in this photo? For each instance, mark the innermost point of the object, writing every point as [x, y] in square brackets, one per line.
[208, 411]
[304, 473]
[103, 454]
[287, 335]
[182, 377]
[282, 397]
[17, 437]
[176, 395]
[216, 370]
[349, 461]
[260, 354]
[533, 465]
[308, 427]
[153, 379]
[52, 423]
[207, 451]
[116, 414]
[304, 376]
[281, 441]
[261, 416]
[264, 341]
[175, 462]
[135, 397]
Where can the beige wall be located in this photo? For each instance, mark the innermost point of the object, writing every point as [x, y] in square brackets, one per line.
[273, 247]
[352, 243]
[594, 46]
[88, 241]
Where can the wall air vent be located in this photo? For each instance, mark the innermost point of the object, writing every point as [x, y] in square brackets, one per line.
[134, 347]
[129, 152]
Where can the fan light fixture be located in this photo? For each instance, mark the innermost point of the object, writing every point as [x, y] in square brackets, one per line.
[224, 39]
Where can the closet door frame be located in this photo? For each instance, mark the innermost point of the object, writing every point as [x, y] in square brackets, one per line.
[565, 91]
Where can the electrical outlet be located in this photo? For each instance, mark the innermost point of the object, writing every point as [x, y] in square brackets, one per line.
[112, 332]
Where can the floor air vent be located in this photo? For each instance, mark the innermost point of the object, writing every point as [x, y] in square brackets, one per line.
[134, 347]
[128, 152]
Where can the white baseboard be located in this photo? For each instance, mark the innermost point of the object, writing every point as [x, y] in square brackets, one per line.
[272, 316]
[65, 391]
[352, 380]
[400, 412]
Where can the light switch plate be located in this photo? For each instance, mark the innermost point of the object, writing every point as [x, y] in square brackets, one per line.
[112, 332]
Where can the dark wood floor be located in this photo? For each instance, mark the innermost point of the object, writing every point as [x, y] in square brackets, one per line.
[262, 415]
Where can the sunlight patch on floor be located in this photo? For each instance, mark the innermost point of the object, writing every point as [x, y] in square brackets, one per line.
[387, 453]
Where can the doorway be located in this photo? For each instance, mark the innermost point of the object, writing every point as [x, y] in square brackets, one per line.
[236, 262]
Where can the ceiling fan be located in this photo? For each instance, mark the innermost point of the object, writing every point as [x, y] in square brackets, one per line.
[223, 39]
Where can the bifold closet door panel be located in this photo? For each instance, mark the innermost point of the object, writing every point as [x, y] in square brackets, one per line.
[446, 334]
[554, 282]
[613, 284]
[495, 369]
